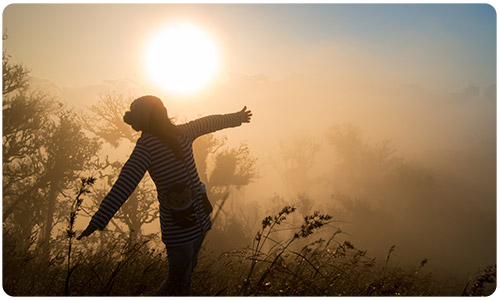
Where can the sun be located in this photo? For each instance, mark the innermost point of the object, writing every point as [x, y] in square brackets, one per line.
[182, 58]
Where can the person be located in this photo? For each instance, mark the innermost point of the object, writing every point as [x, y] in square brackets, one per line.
[165, 151]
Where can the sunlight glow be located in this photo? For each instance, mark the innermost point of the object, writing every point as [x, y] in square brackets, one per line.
[182, 59]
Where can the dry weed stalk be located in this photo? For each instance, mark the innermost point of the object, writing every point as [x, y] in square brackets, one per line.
[310, 224]
[75, 207]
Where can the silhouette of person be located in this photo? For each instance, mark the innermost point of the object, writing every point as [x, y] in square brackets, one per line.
[165, 151]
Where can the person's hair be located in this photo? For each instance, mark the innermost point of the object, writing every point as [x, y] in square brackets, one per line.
[148, 114]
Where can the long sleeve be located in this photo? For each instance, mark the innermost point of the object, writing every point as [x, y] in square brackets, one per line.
[211, 123]
[130, 176]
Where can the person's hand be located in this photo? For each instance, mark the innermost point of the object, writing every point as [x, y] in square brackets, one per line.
[88, 231]
[246, 115]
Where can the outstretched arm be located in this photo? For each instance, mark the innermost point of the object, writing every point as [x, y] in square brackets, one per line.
[213, 123]
[130, 175]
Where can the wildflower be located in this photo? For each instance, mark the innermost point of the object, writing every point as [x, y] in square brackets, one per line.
[266, 221]
[285, 211]
[311, 222]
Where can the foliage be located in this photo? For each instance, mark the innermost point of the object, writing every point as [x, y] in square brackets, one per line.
[105, 119]
[137, 267]
[233, 167]
[225, 170]
[44, 150]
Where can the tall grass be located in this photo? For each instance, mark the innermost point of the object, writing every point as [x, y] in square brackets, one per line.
[285, 259]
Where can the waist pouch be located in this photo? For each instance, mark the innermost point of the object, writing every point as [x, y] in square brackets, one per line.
[184, 218]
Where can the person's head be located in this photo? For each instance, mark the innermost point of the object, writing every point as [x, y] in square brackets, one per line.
[147, 113]
[144, 112]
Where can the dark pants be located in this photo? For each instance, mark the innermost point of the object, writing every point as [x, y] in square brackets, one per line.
[181, 263]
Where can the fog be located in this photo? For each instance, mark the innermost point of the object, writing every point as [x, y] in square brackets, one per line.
[437, 202]
[393, 163]
[382, 117]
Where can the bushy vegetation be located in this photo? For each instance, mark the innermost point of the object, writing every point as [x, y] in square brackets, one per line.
[299, 265]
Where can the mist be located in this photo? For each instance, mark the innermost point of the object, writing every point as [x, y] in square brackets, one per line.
[424, 179]
[394, 163]
[370, 159]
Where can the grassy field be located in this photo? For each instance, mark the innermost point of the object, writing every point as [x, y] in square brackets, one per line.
[300, 264]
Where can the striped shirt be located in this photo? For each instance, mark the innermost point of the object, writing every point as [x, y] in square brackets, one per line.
[150, 154]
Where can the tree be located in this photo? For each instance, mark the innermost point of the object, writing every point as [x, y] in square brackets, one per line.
[68, 151]
[105, 119]
[44, 150]
[204, 147]
[24, 117]
[223, 169]
[14, 77]
[382, 195]
[298, 159]
[360, 167]
[233, 167]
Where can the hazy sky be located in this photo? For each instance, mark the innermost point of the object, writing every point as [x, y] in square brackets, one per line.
[441, 47]
[327, 63]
